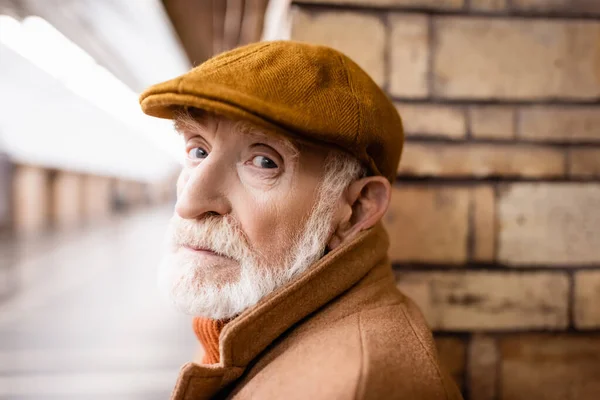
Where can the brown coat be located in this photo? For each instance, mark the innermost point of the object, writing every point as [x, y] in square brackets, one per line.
[342, 330]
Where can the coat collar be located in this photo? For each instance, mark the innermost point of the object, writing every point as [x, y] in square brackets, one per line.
[245, 337]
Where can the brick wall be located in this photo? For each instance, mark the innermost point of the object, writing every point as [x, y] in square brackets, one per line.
[495, 217]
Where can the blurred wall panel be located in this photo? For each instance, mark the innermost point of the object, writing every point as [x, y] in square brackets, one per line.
[253, 21]
[130, 194]
[6, 170]
[218, 24]
[67, 199]
[97, 197]
[234, 15]
[208, 27]
[31, 192]
[193, 22]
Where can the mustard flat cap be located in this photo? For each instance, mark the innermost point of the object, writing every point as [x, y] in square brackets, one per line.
[308, 92]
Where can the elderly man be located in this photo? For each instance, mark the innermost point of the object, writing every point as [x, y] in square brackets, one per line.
[276, 245]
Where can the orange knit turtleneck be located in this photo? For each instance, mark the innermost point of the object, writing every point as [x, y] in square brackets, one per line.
[208, 331]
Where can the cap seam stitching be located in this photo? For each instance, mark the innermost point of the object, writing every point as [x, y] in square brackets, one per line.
[244, 56]
[356, 102]
[241, 57]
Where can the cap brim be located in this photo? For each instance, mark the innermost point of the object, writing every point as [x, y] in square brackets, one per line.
[167, 105]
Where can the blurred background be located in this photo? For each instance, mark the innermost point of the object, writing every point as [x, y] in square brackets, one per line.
[495, 216]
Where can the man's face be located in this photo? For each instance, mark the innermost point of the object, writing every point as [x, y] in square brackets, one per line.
[242, 218]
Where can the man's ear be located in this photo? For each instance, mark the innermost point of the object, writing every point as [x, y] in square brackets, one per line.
[364, 203]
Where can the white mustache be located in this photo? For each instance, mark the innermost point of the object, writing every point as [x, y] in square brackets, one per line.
[218, 234]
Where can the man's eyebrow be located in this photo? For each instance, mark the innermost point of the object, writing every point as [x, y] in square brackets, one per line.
[257, 134]
[184, 123]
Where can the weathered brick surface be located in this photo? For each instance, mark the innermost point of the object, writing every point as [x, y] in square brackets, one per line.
[409, 55]
[480, 160]
[549, 224]
[360, 36]
[475, 300]
[484, 223]
[558, 6]
[428, 224]
[584, 162]
[560, 124]
[550, 367]
[433, 120]
[430, 4]
[484, 58]
[492, 122]
[488, 5]
[483, 362]
[587, 299]
[452, 355]
[476, 74]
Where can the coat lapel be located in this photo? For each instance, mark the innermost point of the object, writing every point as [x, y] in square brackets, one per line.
[200, 382]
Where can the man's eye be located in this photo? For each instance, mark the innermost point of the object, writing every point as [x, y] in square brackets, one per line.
[263, 162]
[197, 152]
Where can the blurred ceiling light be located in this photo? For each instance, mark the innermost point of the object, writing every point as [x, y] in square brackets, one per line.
[39, 42]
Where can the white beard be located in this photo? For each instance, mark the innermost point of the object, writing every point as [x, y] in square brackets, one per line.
[194, 291]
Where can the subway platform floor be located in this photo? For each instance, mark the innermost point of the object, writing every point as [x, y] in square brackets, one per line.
[85, 320]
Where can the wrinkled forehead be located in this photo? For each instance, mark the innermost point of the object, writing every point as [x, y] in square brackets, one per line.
[192, 121]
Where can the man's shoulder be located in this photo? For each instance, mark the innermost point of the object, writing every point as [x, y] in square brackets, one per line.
[382, 329]
[383, 351]
[399, 356]
[391, 351]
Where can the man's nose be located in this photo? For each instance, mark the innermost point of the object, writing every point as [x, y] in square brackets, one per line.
[203, 191]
